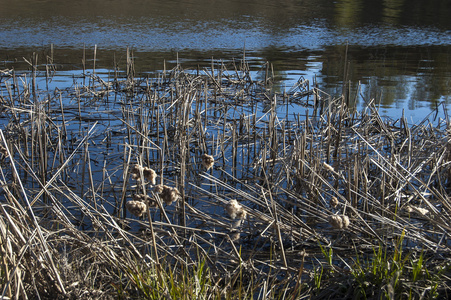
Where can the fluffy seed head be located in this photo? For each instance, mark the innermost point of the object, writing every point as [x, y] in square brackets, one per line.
[422, 211]
[328, 167]
[333, 202]
[235, 210]
[335, 221]
[241, 214]
[207, 161]
[170, 195]
[135, 171]
[232, 208]
[339, 222]
[136, 208]
[146, 199]
[147, 172]
[418, 210]
[167, 194]
[150, 175]
[158, 189]
[235, 235]
[345, 220]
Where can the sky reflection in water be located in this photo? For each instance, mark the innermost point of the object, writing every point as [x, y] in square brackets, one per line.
[398, 50]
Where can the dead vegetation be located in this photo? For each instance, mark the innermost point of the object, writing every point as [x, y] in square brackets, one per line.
[283, 165]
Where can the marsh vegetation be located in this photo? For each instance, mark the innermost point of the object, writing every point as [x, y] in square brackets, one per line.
[213, 184]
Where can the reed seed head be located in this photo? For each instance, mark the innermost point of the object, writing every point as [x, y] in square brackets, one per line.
[146, 199]
[422, 211]
[339, 222]
[235, 235]
[335, 221]
[207, 161]
[333, 202]
[137, 208]
[232, 208]
[167, 194]
[170, 195]
[158, 189]
[147, 172]
[418, 210]
[150, 175]
[345, 220]
[235, 210]
[241, 214]
[138, 197]
[135, 172]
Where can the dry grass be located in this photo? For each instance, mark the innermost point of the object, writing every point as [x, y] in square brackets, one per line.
[250, 220]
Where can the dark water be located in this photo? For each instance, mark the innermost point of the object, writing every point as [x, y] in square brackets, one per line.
[398, 51]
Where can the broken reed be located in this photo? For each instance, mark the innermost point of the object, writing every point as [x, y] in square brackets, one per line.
[72, 152]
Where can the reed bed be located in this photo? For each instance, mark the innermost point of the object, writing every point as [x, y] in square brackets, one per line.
[212, 184]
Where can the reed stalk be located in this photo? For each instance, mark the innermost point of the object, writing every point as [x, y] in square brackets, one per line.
[66, 176]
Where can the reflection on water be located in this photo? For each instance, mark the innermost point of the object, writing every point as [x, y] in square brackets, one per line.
[399, 51]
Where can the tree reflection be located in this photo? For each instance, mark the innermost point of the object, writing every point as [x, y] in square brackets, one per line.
[399, 50]
[390, 74]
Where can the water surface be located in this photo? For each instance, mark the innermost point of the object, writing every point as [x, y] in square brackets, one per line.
[398, 52]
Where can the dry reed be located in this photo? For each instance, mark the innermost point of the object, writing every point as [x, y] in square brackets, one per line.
[67, 160]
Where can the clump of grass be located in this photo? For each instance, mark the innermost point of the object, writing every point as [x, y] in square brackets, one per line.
[395, 274]
[174, 282]
[383, 274]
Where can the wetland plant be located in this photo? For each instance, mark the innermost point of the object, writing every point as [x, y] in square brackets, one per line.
[146, 199]
[139, 172]
[333, 202]
[235, 210]
[207, 161]
[339, 221]
[166, 193]
[136, 208]
[65, 233]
